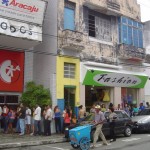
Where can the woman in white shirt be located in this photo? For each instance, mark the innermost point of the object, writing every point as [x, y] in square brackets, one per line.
[28, 120]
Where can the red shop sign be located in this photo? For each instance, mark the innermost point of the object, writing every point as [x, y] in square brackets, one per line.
[11, 71]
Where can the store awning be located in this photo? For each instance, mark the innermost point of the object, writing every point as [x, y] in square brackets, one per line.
[114, 78]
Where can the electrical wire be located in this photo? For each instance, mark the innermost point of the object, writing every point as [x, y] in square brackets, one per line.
[48, 35]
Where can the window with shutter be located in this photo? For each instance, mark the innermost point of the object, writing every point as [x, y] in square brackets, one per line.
[130, 32]
[69, 16]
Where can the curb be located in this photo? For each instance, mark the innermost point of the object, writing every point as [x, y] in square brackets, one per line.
[32, 143]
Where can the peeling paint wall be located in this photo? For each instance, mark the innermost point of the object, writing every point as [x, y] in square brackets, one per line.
[96, 49]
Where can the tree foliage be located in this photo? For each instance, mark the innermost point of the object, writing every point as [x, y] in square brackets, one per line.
[35, 94]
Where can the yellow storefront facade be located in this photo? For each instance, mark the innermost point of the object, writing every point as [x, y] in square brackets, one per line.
[67, 82]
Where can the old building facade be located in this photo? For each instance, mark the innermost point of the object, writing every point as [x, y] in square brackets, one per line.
[100, 48]
[146, 36]
[88, 51]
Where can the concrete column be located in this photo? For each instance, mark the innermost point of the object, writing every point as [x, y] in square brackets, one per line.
[82, 95]
[117, 96]
[141, 97]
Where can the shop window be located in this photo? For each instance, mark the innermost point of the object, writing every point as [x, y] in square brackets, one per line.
[69, 70]
[9, 99]
[129, 96]
[2, 99]
[130, 32]
[92, 26]
[99, 26]
[69, 15]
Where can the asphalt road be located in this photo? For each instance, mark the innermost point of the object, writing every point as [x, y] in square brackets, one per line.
[135, 142]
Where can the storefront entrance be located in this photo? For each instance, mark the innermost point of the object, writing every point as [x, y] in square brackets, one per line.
[69, 96]
[97, 95]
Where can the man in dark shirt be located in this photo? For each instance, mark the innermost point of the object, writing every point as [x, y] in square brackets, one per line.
[22, 114]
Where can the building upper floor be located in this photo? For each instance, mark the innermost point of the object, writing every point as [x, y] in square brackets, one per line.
[108, 28]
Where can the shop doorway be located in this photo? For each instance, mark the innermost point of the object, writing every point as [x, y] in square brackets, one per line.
[97, 95]
[69, 96]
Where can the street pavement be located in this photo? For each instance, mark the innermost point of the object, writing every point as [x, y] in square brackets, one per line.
[16, 141]
[135, 142]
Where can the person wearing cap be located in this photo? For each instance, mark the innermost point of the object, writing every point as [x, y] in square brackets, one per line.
[99, 120]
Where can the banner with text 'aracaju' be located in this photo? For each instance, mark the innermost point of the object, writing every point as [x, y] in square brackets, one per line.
[31, 11]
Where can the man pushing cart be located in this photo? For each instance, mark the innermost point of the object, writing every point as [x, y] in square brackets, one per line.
[80, 137]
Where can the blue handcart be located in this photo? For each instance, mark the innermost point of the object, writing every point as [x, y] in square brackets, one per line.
[80, 137]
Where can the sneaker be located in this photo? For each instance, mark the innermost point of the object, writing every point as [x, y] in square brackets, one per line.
[31, 134]
[21, 134]
[112, 140]
[93, 146]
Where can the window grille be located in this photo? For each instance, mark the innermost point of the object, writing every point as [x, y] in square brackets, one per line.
[69, 70]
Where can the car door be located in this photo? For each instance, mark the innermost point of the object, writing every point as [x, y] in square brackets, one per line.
[105, 128]
[148, 120]
[120, 122]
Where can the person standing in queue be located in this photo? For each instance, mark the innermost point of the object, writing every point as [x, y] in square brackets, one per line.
[99, 120]
[112, 123]
[22, 115]
[37, 120]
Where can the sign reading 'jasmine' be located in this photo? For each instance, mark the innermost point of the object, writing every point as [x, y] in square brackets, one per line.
[114, 79]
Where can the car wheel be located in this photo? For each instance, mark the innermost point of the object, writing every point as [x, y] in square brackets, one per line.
[127, 131]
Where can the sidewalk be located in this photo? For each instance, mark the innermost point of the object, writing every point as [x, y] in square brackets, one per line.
[13, 141]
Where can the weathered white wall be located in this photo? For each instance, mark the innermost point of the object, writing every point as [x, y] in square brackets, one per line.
[45, 54]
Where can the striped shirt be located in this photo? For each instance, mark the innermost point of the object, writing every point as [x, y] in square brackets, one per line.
[99, 117]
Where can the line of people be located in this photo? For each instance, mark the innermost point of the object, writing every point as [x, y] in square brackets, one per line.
[23, 120]
[20, 119]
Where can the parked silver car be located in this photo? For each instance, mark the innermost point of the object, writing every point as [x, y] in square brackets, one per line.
[141, 122]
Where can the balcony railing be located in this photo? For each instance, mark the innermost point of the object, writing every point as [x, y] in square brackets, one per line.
[130, 52]
[147, 58]
[72, 40]
[106, 6]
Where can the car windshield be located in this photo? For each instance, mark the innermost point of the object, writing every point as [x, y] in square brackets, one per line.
[144, 112]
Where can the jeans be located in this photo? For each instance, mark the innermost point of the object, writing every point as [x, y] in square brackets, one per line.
[58, 125]
[0, 122]
[37, 127]
[22, 125]
[5, 122]
[48, 127]
[112, 130]
[18, 125]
